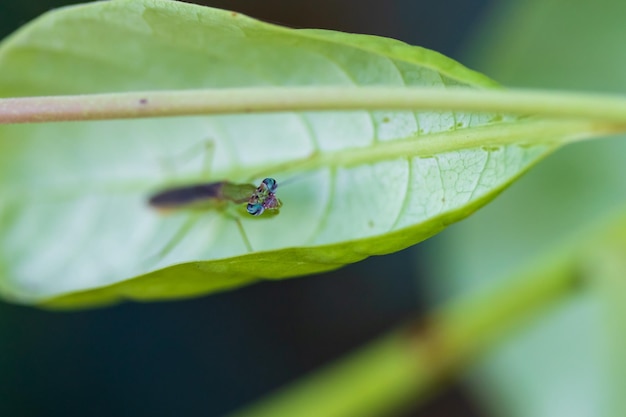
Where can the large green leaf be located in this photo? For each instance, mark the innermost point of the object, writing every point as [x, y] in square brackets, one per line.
[74, 225]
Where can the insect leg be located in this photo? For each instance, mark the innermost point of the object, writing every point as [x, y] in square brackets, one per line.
[174, 240]
[209, 149]
[205, 148]
[244, 236]
[209, 152]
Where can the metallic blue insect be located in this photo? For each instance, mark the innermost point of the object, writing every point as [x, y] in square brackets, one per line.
[217, 194]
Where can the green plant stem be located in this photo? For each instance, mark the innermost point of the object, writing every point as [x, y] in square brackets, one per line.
[404, 366]
[570, 105]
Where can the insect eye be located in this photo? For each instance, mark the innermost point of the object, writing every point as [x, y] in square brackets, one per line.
[255, 209]
[271, 184]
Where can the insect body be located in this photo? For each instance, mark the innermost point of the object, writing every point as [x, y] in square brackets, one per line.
[218, 194]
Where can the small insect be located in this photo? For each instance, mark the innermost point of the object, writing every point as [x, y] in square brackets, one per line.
[217, 195]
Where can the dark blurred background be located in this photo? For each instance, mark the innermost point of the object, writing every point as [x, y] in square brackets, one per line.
[209, 356]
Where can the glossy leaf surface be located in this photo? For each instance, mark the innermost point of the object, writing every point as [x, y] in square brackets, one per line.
[75, 226]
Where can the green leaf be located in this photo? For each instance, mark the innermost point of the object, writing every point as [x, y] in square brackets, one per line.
[75, 229]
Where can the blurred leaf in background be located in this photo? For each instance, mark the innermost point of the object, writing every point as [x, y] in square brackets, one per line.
[571, 363]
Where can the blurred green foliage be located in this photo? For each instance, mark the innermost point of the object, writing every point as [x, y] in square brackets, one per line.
[572, 362]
